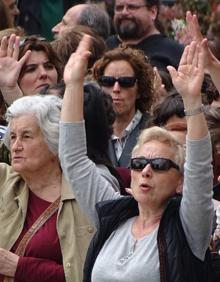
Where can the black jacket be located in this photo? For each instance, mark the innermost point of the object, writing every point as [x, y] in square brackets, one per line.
[131, 141]
[177, 262]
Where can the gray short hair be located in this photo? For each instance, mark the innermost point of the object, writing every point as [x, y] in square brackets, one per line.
[97, 18]
[164, 136]
[46, 110]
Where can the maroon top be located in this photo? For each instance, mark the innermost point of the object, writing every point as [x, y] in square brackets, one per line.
[42, 260]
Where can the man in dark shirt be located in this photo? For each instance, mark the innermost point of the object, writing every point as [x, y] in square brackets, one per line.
[136, 24]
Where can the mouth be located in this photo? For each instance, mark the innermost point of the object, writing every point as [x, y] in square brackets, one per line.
[145, 187]
[116, 100]
[42, 86]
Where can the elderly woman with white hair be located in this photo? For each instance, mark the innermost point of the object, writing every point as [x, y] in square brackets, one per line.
[156, 235]
[43, 233]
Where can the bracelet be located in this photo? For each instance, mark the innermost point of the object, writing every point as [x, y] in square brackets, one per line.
[194, 111]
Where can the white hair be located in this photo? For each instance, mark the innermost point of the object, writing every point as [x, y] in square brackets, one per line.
[46, 110]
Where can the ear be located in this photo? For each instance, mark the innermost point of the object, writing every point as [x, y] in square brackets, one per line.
[154, 12]
[179, 188]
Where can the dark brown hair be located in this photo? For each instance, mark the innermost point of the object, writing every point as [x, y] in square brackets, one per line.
[35, 43]
[142, 70]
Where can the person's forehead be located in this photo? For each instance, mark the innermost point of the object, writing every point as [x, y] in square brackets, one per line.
[118, 2]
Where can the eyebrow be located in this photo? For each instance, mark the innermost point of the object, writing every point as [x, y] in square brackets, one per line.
[23, 132]
[46, 62]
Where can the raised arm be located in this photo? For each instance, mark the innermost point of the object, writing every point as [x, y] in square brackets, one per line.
[211, 63]
[10, 68]
[188, 82]
[87, 181]
[196, 211]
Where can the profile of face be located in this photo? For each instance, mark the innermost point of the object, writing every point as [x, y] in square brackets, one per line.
[13, 9]
[133, 19]
[69, 20]
[37, 73]
[152, 187]
[124, 98]
[29, 151]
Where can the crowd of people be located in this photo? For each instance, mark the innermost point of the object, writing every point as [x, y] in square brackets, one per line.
[109, 142]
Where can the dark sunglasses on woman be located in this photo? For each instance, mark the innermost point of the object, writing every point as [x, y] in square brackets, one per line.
[124, 81]
[158, 164]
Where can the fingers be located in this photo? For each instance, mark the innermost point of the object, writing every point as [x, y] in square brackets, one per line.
[173, 73]
[191, 57]
[10, 47]
[183, 60]
[16, 46]
[11, 43]
[3, 47]
[24, 58]
[84, 46]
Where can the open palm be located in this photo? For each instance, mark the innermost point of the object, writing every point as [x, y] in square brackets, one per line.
[189, 76]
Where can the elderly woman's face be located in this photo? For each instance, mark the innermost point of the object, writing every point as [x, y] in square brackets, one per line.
[151, 187]
[37, 73]
[29, 152]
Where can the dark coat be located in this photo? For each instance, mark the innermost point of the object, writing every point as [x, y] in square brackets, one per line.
[177, 262]
[131, 141]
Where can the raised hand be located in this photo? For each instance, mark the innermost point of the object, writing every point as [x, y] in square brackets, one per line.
[76, 67]
[74, 72]
[10, 66]
[189, 76]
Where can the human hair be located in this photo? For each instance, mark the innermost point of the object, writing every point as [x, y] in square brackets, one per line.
[172, 105]
[46, 110]
[5, 19]
[142, 70]
[97, 18]
[99, 118]
[13, 30]
[35, 43]
[69, 40]
[164, 136]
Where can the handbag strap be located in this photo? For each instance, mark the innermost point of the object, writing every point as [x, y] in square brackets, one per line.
[43, 218]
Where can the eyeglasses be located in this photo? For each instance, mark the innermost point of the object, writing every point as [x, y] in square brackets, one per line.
[129, 7]
[159, 164]
[124, 81]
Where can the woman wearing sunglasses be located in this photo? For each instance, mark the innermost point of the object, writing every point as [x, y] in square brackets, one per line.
[155, 235]
[127, 76]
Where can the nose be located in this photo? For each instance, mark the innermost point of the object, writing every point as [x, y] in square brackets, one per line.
[16, 145]
[43, 72]
[16, 11]
[56, 28]
[116, 87]
[147, 171]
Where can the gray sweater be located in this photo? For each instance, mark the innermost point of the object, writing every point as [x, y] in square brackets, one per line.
[90, 187]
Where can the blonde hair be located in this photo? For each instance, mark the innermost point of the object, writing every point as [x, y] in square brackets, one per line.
[164, 136]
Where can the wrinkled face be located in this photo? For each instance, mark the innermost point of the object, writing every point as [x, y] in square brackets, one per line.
[29, 152]
[37, 73]
[153, 188]
[123, 98]
[133, 19]
[69, 20]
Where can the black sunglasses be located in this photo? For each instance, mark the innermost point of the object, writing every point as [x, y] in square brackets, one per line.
[124, 81]
[160, 164]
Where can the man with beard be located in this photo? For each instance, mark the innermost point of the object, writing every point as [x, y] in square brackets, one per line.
[136, 24]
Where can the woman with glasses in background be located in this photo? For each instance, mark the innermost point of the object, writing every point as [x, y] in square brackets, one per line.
[156, 235]
[26, 66]
[127, 76]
